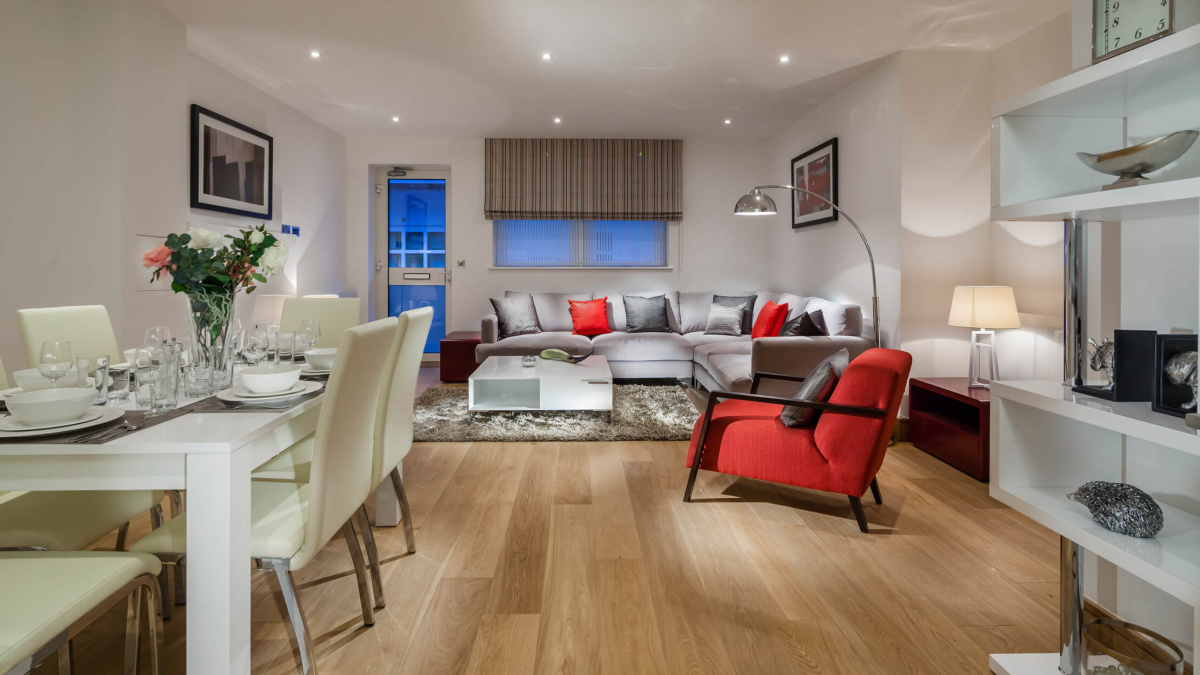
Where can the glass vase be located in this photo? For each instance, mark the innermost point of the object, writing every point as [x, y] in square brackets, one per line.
[210, 317]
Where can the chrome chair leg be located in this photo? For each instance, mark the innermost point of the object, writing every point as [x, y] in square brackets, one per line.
[405, 510]
[176, 502]
[66, 664]
[368, 537]
[360, 572]
[156, 517]
[154, 619]
[122, 535]
[283, 572]
[133, 607]
[166, 581]
[180, 584]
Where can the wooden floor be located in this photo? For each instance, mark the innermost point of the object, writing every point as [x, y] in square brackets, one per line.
[582, 558]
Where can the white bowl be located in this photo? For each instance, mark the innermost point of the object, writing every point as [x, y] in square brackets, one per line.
[321, 359]
[32, 380]
[50, 406]
[270, 379]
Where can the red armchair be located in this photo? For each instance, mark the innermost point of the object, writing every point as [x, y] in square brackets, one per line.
[742, 435]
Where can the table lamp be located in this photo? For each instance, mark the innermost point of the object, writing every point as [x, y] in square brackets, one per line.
[984, 308]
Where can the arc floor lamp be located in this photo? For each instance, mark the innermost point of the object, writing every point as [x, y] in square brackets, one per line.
[758, 203]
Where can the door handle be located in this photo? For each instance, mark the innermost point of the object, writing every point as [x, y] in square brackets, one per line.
[378, 265]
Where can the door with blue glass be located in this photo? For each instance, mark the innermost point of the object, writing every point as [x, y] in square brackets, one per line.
[413, 204]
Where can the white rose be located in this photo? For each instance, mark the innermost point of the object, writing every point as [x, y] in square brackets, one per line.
[202, 238]
[272, 259]
[257, 237]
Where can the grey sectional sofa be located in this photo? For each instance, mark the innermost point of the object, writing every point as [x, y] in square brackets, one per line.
[713, 361]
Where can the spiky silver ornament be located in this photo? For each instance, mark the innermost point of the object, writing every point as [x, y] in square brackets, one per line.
[1121, 508]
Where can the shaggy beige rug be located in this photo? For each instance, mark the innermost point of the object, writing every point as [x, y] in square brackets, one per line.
[640, 413]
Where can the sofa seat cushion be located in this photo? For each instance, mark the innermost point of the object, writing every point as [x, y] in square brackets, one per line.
[703, 352]
[534, 344]
[746, 438]
[731, 371]
[700, 338]
[621, 346]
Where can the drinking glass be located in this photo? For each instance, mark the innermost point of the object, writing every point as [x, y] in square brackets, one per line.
[95, 368]
[147, 362]
[118, 383]
[285, 348]
[310, 333]
[257, 345]
[165, 394]
[55, 360]
[157, 335]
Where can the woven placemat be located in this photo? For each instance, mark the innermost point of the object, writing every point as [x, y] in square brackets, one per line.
[136, 420]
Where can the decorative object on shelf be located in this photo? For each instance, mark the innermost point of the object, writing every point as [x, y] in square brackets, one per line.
[1121, 508]
[816, 172]
[984, 308]
[232, 166]
[1102, 358]
[1169, 396]
[757, 203]
[1121, 25]
[1135, 649]
[1128, 361]
[1131, 163]
[211, 272]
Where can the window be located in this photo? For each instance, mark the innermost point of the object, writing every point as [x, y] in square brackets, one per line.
[580, 243]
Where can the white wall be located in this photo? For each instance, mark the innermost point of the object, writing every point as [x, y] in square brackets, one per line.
[829, 260]
[710, 249]
[96, 157]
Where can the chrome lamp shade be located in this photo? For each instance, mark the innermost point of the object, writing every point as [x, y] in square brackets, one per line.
[755, 203]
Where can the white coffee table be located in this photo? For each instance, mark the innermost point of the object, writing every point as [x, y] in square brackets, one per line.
[502, 383]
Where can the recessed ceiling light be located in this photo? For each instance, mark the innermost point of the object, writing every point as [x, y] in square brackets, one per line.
[728, 121]
[558, 120]
[546, 56]
[785, 58]
[315, 54]
[395, 118]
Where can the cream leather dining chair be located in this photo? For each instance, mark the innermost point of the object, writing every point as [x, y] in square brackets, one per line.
[49, 598]
[86, 326]
[290, 522]
[3, 376]
[335, 315]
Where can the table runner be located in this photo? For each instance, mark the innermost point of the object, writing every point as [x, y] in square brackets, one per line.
[136, 420]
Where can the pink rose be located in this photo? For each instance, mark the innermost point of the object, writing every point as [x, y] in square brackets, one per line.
[156, 257]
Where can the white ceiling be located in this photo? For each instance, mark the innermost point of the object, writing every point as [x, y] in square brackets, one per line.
[620, 68]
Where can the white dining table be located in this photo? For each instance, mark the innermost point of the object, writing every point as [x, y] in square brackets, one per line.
[211, 456]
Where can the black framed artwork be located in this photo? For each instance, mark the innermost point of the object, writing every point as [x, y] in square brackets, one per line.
[232, 166]
[815, 171]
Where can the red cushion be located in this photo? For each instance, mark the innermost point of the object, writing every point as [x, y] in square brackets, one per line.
[590, 317]
[770, 320]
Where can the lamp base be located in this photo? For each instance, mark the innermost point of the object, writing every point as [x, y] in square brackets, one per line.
[977, 345]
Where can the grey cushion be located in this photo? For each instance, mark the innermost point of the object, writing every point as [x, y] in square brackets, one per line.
[657, 346]
[693, 311]
[646, 315]
[804, 326]
[838, 319]
[516, 316]
[553, 309]
[616, 307]
[725, 319]
[533, 344]
[746, 302]
[817, 387]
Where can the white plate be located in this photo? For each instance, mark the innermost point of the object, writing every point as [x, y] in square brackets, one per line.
[10, 392]
[105, 414]
[241, 394]
[307, 369]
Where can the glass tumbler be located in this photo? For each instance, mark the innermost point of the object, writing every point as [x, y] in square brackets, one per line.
[285, 348]
[166, 386]
[93, 372]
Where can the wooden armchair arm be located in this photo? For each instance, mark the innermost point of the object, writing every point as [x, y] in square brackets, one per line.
[773, 376]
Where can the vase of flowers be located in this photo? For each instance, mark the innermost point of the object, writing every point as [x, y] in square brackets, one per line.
[211, 270]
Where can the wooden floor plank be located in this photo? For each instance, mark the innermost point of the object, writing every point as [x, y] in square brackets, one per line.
[573, 483]
[447, 634]
[520, 571]
[506, 645]
[568, 635]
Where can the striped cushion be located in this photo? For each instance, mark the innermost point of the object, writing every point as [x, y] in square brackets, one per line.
[725, 319]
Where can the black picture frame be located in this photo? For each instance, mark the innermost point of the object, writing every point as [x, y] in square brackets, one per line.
[1168, 397]
[218, 186]
[815, 167]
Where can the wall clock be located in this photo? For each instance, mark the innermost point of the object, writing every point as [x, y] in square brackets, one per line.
[1121, 25]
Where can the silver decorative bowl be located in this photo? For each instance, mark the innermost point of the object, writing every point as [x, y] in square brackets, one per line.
[1132, 162]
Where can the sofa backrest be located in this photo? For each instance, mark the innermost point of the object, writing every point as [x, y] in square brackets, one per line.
[616, 308]
[554, 309]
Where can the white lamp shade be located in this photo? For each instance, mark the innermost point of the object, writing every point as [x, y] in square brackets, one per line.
[268, 309]
[984, 307]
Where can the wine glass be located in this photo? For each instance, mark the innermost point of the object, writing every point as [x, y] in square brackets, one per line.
[156, 335]
[55, 360]
[257, 346]
[310, 333]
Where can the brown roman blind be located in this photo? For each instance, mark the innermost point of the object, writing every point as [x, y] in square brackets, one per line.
[589, 179]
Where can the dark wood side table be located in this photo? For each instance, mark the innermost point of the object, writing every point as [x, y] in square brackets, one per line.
[458, 356]
[950, 421]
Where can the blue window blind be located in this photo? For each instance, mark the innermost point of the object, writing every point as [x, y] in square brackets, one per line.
[580, 243]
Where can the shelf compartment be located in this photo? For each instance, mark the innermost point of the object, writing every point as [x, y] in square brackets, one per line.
[1156, 200]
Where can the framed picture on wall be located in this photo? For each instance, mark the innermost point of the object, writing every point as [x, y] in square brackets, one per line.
[231, 166]
[815, 171]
